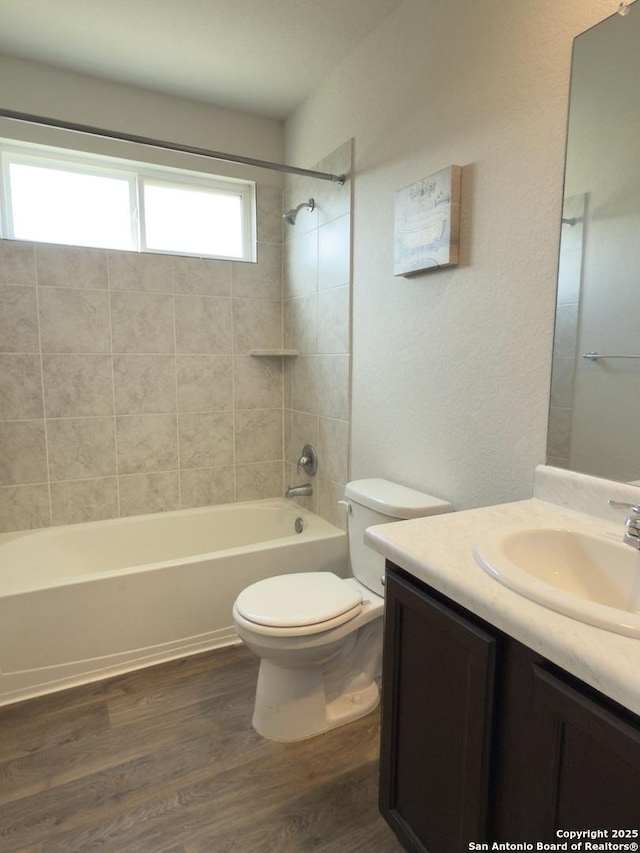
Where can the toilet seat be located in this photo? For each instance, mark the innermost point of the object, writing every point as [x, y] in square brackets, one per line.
[300, 603]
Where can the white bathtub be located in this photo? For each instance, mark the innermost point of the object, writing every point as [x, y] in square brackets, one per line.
[85, 601]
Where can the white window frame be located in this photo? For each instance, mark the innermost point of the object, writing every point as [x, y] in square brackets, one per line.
[136, 173]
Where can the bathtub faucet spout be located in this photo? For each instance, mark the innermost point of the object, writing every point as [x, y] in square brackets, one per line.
[302, 491]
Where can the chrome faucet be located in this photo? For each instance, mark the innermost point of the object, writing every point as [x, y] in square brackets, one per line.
[308, 461]
[632, 523]
[303, 491]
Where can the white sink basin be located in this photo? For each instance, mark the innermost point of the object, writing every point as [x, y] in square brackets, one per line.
[592, 578]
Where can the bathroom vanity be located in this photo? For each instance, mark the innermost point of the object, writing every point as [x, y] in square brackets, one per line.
[484, 739]
[502, 719]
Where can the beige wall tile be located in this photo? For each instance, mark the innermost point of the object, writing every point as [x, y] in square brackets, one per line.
[230, 404]
[287, 324]
[203, 325]
[304, 384]
[287, 435]
[23, 456]
[304, 430]
[333, 450]
[144, 384]
[559, 438]
[257, 382]
[24, 507]
[84, 500]
[333, 199]
[80, 448]
[142, 322]
[71, 266]
[143, 493]
[333, 386]
[259, 435]
[206, 439]
[77, 386]
[334, 253]
[262, 480]
[207, 486]
[562, 382]
[262, 280]
[301, 264]
[140, 271]
[17, 262]
[18, 319]
[202, 275]
[333, 320]
[303, 312]
[257, 324]
[298, 189]
[329, 493]
[269, 210]
[287, 381]
[146, 443]
[319, 383]
[74, 320]
[20, 386]
[205, 383]
[566, 330]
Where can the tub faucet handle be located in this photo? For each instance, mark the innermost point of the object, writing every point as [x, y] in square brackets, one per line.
[308, 461]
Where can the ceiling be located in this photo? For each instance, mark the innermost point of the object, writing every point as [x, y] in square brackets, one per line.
[262, 56]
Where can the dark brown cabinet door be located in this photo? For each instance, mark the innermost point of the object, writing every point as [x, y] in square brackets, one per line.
[588, 761]
[437, 717]
[485, 740]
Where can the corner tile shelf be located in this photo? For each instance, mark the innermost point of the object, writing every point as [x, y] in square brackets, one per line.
[274, 353]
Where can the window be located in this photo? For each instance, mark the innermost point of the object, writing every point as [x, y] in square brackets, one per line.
[59, 197]
[192, 220]
[62, 205]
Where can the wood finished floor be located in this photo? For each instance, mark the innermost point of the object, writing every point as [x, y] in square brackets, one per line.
[165, 760]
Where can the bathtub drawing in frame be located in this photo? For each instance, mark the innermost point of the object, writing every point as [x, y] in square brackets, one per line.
[427, 223]
[82, 602]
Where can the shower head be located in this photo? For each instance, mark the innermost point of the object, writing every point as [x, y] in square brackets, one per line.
[291, 215]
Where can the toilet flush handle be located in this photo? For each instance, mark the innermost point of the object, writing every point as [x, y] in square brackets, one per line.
[346, 505]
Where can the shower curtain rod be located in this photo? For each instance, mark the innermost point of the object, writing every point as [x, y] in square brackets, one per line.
[169, 146]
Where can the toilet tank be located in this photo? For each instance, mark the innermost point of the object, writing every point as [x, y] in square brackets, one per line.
[377, 501]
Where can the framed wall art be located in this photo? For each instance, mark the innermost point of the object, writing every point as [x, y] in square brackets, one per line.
[427, 223]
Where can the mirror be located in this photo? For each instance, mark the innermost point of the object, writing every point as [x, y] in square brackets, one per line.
[594, 416]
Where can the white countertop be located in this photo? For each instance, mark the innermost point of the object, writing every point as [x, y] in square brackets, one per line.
[437, 550]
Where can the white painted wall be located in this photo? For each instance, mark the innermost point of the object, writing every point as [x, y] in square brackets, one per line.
[41, 90]
[451, 368]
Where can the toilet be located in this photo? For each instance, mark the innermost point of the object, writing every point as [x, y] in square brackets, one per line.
[318, 636]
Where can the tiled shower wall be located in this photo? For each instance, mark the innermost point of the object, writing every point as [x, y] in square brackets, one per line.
[125, 381]
[317, 323]
[565, 341]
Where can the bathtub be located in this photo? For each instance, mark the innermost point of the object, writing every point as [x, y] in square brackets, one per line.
[85, 601]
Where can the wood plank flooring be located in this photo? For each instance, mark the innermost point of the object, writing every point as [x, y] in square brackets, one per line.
[165, 760]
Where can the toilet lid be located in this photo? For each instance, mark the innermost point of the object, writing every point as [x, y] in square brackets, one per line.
[297, 600]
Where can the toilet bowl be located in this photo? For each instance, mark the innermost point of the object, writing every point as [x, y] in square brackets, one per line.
[318, 636]
[312, 677]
